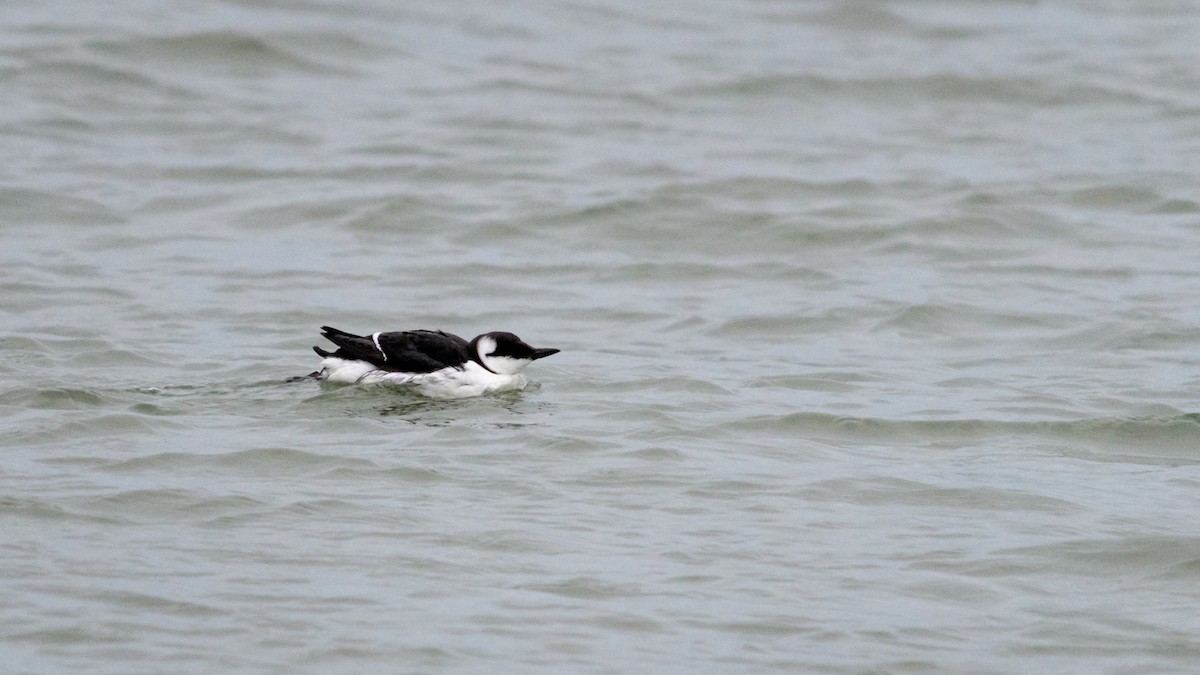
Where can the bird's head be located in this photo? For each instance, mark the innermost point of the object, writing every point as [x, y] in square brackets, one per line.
[505, 353]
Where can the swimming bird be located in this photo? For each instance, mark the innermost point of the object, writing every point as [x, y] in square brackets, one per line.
[436, 363]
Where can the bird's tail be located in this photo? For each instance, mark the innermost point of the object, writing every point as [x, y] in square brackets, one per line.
[350, 346]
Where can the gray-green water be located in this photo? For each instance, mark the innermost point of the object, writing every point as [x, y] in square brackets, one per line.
[879, 326]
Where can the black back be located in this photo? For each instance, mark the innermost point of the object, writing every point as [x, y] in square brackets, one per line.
[410, 351]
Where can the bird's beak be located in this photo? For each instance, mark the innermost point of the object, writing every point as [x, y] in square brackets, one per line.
[543, 353]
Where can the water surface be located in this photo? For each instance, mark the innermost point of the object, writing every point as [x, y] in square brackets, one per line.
[878, 325]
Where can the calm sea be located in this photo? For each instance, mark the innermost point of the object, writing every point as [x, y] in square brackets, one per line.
[879, 327]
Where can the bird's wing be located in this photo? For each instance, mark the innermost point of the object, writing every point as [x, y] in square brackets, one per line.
[422, 351]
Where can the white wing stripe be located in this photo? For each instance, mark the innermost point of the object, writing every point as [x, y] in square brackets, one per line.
[375, 339]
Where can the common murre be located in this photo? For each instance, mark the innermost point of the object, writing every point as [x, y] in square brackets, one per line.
[436, 363]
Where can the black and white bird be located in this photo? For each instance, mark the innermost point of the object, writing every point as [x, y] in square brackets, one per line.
[436, 363]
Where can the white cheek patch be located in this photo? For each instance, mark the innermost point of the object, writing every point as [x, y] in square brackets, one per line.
[485, 346]
[505, 365]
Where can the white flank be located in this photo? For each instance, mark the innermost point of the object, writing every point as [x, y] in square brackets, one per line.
[471, 380]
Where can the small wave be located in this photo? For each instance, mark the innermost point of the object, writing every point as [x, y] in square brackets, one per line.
[153, 604]
[164, 505]
[113, 78]
[230, 49]
[37, 508]
[54, 398]
[1155, 557]
[588, 588]
[20, 206]
[913, 89]
[851, 16]
[943, 319]
[1130, 198]
[275, 460]
[897, 491]
[1176, 207]
[1169, 439]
